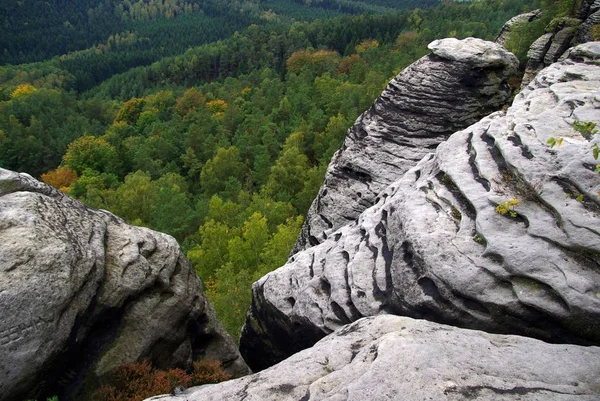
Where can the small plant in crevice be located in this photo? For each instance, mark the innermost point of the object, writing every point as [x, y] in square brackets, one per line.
[579, 197]
[479, 239]
[508, 207]
[552, 141]
[585, 128]
[446, 180]
[455, 213]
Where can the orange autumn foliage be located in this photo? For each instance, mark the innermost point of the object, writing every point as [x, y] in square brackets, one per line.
[62, 178]
[137, 381]
[347, 64]
[206, 372]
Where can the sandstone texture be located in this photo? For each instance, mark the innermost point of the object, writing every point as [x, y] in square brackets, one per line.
[398, 358]
[82, 292]
[434, 245]
[460, 82]
[565, 33]
[589, 13]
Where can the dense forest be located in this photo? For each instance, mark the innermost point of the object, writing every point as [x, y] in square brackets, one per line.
[222, 145]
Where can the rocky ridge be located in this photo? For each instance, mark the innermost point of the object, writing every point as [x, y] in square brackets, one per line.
[391, 357]
[434, 245]
[417, 111]
[82, 292]
[565, 33]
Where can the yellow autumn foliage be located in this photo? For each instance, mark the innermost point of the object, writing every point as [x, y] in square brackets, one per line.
[22, 90]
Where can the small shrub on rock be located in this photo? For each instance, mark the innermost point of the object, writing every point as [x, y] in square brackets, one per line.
[206, 372]
[137, 381]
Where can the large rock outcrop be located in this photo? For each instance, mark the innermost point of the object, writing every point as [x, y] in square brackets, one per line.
[82, 292]
[457, 84]
[434, 246]
[561, 35]
[398, 358]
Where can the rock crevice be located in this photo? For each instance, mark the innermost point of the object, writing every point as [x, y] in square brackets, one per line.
[391, 357]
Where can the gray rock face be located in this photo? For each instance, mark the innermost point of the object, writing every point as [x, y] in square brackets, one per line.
[549, 47]
[584, 33]
[82, 292]
[434, 246]
[398, 358]
[417, 111]
[517, 20]
[588, 7]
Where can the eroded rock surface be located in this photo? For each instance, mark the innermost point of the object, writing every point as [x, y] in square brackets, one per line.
[398, 358]
[589, 13]
[456, 85]
[435, 247]
[565, 33]
[82, 292]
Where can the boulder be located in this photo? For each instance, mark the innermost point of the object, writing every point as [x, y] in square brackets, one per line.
[417, 111]
[496, 230]
[399, 358]
[82, 292]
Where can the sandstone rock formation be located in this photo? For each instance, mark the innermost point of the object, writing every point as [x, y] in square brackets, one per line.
[398, 358]
[456, 85]
[82, 292]
[589, 13]
[515, 21]
[434, 245]
[565, 33]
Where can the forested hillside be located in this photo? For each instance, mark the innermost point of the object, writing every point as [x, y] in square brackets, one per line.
[35, 31]
[224, 145]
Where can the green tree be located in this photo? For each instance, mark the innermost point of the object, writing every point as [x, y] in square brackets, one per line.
[245, 250]
[212, 252]
[217, 172]
[89, 152]
[136, 200]
[174, 214]
[289, 172]
[276, 251]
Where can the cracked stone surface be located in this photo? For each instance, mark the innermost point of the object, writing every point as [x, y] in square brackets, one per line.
[416, 112]
[82, 292]
[433, 246]
[392, 358]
